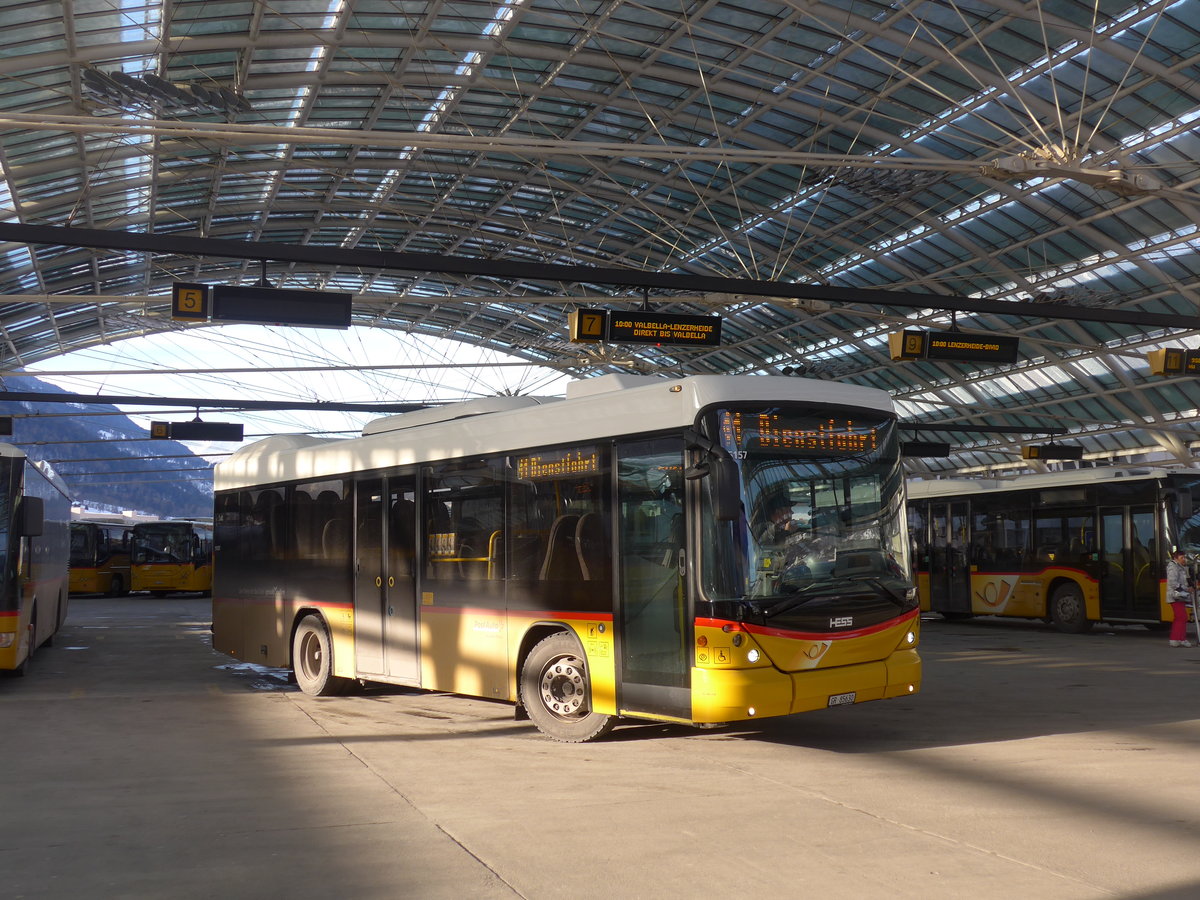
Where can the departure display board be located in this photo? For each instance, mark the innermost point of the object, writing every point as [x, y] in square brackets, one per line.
[641, 327]
[275, 306]
[754, 432]
[953, 346]
[196, 431]
[1174, 361]
[664, 328]
[558, 464]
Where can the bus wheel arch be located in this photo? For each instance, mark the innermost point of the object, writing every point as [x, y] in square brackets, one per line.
[555, 690]
[1068, 611]
[312, 657]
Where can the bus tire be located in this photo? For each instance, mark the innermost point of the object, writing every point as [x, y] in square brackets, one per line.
[117, 587]
[556, 693]
[312, 660]
[1067, 611]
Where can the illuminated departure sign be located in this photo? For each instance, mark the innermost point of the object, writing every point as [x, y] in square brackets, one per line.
[1174, 361]
[641, 327]
[953, 346]
[543, 466]
[771, 431]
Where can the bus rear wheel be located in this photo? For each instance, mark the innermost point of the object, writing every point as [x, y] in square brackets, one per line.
[1067, 610]
[557, 695]
[312, 660]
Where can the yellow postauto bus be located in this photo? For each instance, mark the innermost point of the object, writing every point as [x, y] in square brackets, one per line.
[100, 553]
[35, 513]
[588, 558]
[171, 556]
[1073, 548]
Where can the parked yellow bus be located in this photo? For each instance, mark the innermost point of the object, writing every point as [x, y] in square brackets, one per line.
[35, 513]
[1073, 548]
[171, 556]
[586, 558]
[100, 553]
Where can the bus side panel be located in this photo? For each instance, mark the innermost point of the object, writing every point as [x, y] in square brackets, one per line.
[49, 580]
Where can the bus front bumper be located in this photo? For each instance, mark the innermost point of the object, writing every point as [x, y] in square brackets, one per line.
[735, 695]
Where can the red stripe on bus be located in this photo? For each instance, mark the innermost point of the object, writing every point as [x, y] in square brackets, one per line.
[808, 635]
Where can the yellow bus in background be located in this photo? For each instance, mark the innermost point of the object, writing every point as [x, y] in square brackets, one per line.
[35, 515]
[171, 556]
[100, 553]
[589, 558]
[1073, 548]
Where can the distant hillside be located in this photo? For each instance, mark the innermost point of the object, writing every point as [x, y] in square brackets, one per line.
[126, 484]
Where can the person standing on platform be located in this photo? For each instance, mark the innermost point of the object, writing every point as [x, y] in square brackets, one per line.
[1179, 594]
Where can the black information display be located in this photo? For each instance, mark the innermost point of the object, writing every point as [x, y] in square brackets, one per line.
[1174, 361]
[196, 431]
[1051, 451]
[594, 325]
[953, 346]
[276, 306]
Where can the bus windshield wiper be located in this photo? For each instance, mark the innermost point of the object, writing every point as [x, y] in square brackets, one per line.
[883, 590]
[799, 598]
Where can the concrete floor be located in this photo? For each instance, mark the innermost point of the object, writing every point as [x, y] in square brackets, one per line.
[139, 763]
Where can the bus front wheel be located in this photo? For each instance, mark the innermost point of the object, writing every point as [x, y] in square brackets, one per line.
[1067, 610]
[556, 694]
[312, 660]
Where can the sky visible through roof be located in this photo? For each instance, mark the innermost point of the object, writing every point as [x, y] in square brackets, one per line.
[411, 369]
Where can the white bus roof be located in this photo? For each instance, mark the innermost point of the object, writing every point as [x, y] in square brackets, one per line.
[947, 487]
[594, 409]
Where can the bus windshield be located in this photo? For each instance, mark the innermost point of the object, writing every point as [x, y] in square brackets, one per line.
[163, 542]
[822, 499]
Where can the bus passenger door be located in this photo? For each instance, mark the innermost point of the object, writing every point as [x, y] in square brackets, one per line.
[1130, 567]
[949, 578]
[384, 601]
[654, 631]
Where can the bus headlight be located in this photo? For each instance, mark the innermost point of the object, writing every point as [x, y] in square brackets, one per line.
[752, 655]
[910, 638]
[6, 639]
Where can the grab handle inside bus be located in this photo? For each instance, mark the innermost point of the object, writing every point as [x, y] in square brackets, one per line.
[31, 517]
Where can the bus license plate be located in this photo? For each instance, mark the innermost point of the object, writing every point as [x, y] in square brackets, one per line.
[841, 699]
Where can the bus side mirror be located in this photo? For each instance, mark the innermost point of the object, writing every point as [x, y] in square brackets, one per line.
[727, 494]
[31, 517]
[1183, 503]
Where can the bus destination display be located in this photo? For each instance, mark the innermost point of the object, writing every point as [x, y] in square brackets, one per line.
[540, 467]
[761, 431]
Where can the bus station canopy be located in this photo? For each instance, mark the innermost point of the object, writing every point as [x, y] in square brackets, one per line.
[1036, 164]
